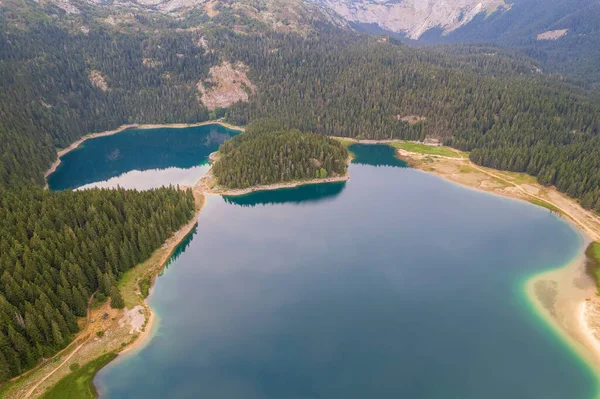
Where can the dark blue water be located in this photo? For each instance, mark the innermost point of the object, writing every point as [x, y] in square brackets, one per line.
[141, 159]
[395, 284]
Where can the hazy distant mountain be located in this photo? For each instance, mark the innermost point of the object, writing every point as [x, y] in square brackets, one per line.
[564, 35]
[414, 17]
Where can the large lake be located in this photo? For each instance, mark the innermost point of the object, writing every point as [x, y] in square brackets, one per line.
[395, 284]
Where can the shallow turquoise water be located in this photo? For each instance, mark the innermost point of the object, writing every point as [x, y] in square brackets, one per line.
[140, 158]
[395, 284]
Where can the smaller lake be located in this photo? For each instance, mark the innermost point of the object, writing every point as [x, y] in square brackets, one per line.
[141, 158]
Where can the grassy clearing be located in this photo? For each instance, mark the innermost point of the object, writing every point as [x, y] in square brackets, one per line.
[79, 384]
[519, 178]
[545, 204]
[466, 169]
[128, 284]
[593, 262]
[7, 387]
[429, 150]
[132, 281]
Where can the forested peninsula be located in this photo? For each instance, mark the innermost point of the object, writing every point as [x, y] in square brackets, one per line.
[58, 248]
[269, 153]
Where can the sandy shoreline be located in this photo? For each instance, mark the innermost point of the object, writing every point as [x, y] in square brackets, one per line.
[173, 242]
[74, 145]
[560, 297]
[564, 297]
[277, 186]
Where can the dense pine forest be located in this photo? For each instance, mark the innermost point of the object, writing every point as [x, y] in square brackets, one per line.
[501, 109]
[65, 75]
[269, 153]
[56, 249]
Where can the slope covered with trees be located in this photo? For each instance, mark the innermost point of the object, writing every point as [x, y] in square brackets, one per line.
[268, 153]
[57, 248]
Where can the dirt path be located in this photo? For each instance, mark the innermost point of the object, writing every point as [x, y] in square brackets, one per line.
[515, 185]
[85, 331]
[581, 223]
[45, 377]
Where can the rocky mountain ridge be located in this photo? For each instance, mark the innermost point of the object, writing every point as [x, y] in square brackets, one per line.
[414, 17]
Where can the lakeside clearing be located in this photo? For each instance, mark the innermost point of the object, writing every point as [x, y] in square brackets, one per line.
[80, 383]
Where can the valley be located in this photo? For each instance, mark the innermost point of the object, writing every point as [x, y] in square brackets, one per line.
[357, 116]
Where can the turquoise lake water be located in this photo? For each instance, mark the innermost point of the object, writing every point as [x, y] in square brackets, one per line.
[394, 284]
[140, 158]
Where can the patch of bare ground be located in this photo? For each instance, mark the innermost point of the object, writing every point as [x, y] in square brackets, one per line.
[150, 63]
[98, 80]
[226, 85]
[103, 331]
[552, 34]
[202, 43]
[210, 8]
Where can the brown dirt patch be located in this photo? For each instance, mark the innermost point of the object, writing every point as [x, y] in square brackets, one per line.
[226, 85]
[98, 80]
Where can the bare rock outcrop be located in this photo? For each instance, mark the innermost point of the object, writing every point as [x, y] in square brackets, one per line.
[226, 85]
[414, 17]
[552, 34]
[98, 80]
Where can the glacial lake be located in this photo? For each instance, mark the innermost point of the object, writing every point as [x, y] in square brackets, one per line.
[394, 284]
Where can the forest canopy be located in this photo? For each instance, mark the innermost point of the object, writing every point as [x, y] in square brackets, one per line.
[269, 153]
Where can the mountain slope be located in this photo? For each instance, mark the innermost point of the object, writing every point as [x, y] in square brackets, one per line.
[414, 17]
[564, 35]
